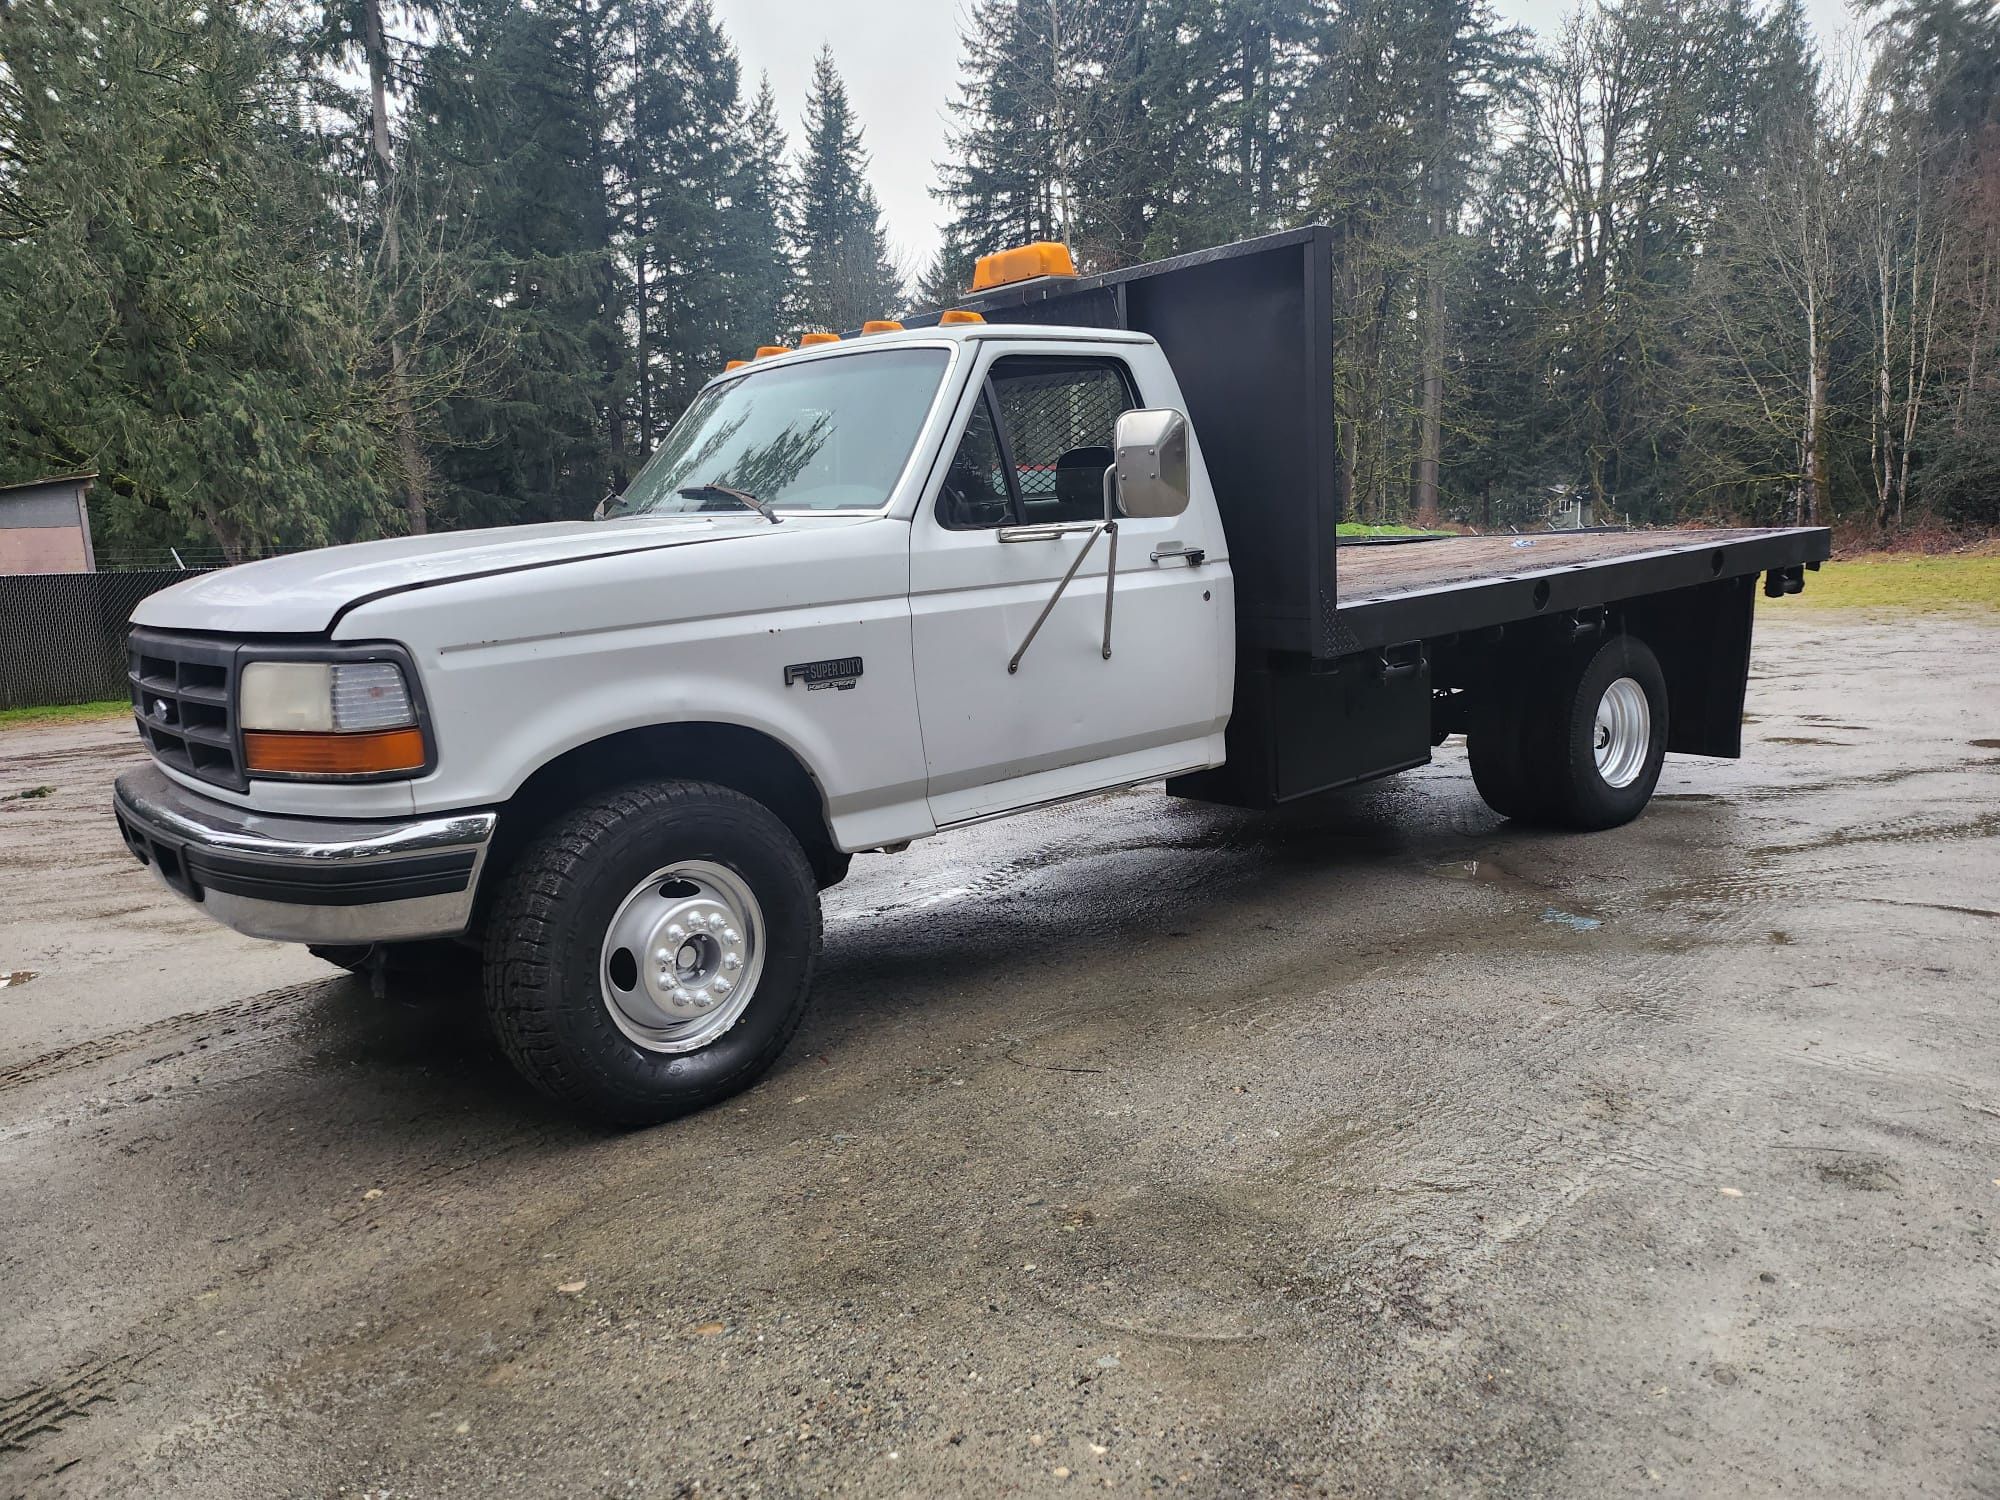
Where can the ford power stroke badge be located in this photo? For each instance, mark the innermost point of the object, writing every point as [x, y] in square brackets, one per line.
[840, 672]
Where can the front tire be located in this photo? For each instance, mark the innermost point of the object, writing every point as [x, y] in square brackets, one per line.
[651, 952]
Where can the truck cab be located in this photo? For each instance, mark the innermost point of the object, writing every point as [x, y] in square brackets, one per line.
[866, 591]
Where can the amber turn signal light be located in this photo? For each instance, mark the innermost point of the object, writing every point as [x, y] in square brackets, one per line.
[293, 753]
[1022, 263]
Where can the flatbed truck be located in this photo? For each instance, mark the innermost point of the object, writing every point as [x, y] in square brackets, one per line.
[1076, 534]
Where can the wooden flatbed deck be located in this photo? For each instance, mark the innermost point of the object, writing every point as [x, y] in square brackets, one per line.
[1413, 590]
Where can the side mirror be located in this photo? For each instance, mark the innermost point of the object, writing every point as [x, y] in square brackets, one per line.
[1151, 463]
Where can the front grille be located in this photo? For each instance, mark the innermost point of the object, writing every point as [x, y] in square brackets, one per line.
[184, 697]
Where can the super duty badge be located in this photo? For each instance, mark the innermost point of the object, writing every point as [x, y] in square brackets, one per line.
[840, 672]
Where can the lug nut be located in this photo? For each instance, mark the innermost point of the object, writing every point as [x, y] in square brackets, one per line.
[731, 962]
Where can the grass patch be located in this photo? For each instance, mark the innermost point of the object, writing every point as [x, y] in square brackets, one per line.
[63, 713]
[1357, 528]
[1907, 583]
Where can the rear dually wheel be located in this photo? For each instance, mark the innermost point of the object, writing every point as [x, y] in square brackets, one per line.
[1575, 743]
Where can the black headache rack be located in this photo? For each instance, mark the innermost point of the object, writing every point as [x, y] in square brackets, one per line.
[1249, 330]
[1347, 665]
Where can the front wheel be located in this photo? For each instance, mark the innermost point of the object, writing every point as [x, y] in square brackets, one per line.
[651, 952]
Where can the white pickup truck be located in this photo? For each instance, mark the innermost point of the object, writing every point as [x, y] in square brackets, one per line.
[867, 591]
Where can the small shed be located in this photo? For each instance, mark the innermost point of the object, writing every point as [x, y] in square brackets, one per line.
[45, 526]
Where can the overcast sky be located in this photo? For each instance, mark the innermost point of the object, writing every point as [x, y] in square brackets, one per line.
[900, 60]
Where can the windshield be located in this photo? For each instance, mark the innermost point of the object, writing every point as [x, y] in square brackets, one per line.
[830, 434]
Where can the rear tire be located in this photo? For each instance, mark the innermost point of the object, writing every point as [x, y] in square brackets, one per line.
[1578, 746]
[588, 937]
[1497, 745]
[1608, 738]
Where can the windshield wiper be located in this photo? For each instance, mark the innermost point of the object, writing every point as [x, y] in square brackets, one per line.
[741, 497]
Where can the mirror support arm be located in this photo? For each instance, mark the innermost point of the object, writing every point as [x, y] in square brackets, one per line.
[1108, 526]
[1014, 665]
[1111, 569]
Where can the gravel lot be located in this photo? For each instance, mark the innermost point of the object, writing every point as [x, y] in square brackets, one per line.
[1375, 1148]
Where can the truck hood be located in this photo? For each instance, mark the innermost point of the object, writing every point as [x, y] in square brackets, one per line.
[305, 592]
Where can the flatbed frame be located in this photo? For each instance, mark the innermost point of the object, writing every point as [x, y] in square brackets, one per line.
[1431, 587]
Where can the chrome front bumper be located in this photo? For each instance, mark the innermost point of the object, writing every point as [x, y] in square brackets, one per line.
[306, 880]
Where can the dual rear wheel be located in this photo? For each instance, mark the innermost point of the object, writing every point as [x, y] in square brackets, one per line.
[1574, 743]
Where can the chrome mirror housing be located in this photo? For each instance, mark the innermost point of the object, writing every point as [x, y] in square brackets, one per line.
[1151, 453]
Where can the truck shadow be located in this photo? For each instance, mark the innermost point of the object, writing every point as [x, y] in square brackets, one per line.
[1035, 910]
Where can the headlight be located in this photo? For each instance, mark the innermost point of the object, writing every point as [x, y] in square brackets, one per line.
[322, 718]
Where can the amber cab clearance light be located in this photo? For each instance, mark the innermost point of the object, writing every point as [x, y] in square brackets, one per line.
[768, 351]
[734, 364]
[807, 341]
[957, 316]
[881, 325]
[1022, 263]
[380, 752]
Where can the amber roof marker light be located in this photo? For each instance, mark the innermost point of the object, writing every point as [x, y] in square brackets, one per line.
[810, 340]
[957, 316]
[1022, 263]
[881, 325]
[772, 351]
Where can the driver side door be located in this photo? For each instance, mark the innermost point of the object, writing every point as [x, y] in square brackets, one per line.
[1019, 502]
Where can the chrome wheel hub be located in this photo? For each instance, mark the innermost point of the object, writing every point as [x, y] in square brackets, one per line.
[682, 956]
[1624, 732]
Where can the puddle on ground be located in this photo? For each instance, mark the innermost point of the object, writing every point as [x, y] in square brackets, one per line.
[1570, 920]
[1467, 869]
[1483, 871]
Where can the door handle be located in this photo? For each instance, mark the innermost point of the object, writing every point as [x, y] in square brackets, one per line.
[1047, 531]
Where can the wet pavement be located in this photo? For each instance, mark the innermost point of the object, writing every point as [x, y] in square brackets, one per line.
[1373, 1148]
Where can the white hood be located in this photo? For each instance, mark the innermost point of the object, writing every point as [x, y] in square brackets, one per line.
[303, 593]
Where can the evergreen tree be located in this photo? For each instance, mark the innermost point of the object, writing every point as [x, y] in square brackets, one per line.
[757, 260]
[845, 273]
[999, 182]
[521, 103]
[679, 161]
[171, 311]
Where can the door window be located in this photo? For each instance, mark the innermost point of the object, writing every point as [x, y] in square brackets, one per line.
[975, 493]
[1044, 460]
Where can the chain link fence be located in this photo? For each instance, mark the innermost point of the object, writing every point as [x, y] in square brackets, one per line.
[62, 635]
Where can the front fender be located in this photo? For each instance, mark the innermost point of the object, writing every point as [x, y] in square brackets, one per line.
[517, 676]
